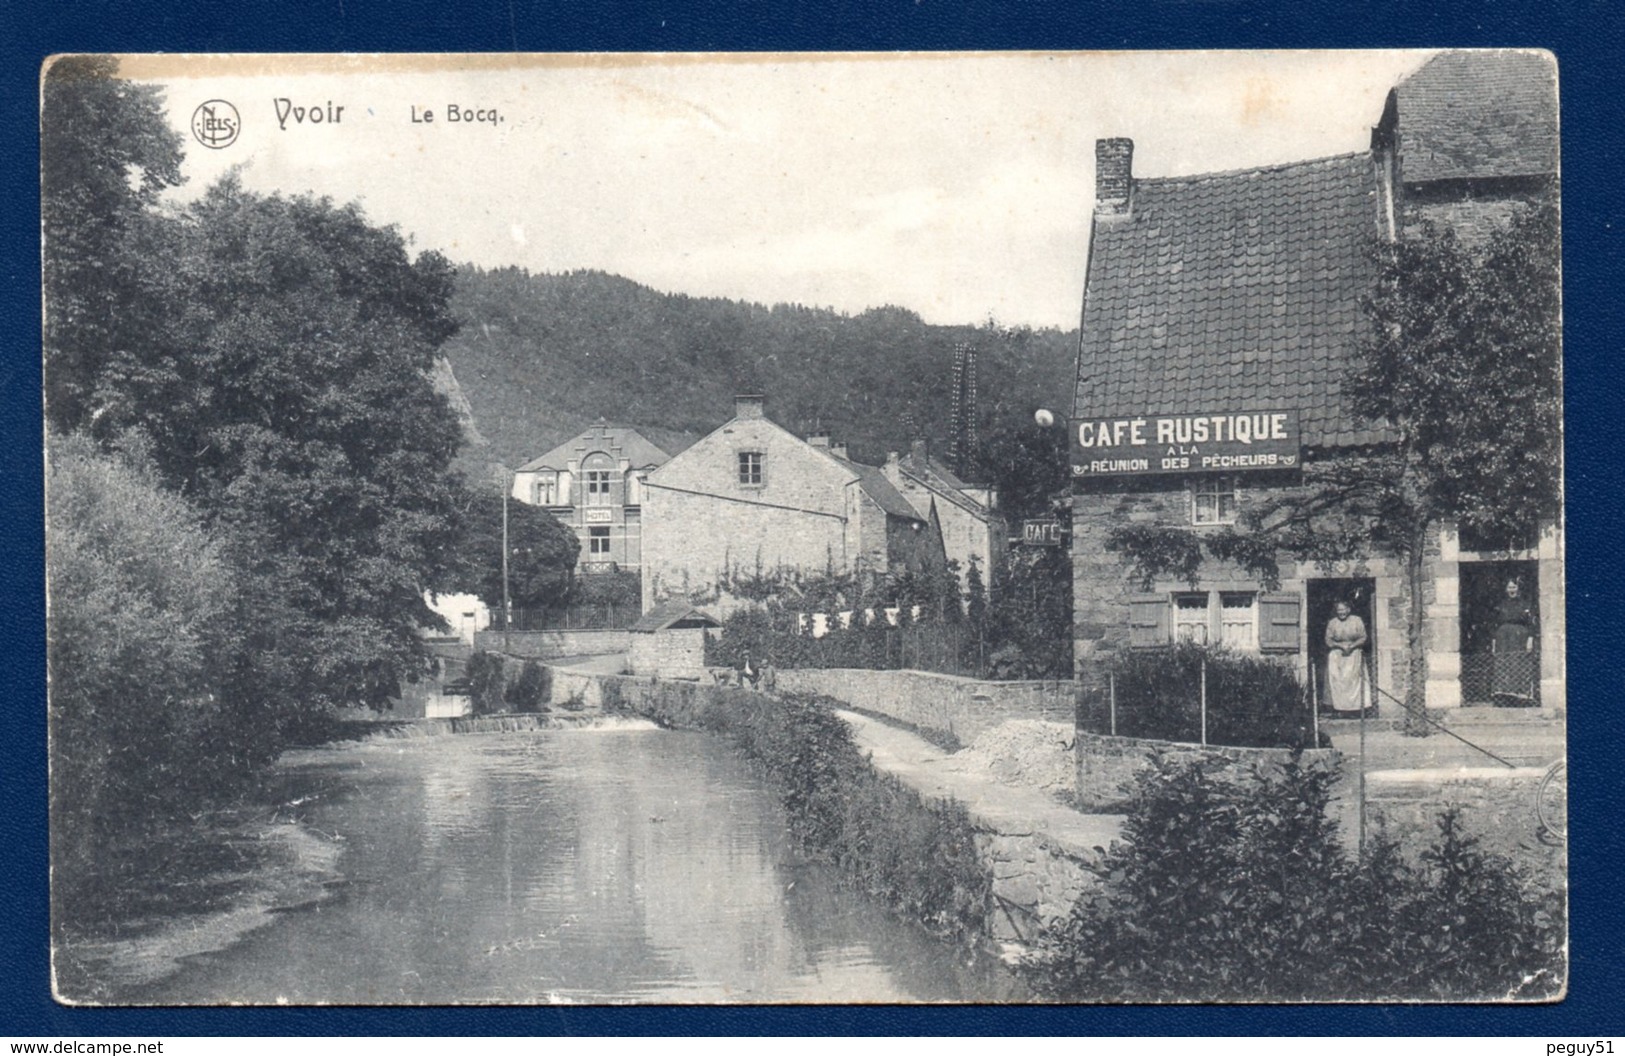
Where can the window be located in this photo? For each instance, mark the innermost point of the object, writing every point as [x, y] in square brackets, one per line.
[1213, 501]
[1191, 618]
[598, 487]
[598, 543]
[1238, 621]
[545, 491]
[750, 469]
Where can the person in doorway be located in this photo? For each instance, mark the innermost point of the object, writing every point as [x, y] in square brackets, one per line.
[1345, 661]
[1512, 677]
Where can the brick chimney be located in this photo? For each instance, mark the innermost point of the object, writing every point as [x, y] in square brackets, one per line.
[748, 406]
[838, 450]
[820, 442]
[1114, 177]
[916, 451]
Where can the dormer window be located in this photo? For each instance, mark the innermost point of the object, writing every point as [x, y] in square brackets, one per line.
[750, 469]
[545, 490]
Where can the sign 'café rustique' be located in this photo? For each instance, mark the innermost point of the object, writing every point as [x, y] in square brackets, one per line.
[1218, 442]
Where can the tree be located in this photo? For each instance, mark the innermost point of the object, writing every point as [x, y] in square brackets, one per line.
[286, 390]
[1462, 367]
[106, 154]
[1028, 464]
[542, 553]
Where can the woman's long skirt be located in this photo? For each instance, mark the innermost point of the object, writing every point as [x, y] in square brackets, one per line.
[1345, 688]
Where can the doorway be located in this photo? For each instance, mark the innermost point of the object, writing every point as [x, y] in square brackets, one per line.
[1507, 673]
[1322, 598]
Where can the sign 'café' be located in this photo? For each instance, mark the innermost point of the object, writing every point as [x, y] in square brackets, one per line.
[1222, 315]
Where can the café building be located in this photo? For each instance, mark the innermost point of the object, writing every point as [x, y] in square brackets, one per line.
[1222, 314]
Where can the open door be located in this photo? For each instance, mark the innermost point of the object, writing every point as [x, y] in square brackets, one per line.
[1323, 596]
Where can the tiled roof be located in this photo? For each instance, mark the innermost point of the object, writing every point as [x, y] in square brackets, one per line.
[872, 479]
[929, 466]
[669, 613]
[941, 480]
[1236, 290]
[602, 437]
[1477, 114]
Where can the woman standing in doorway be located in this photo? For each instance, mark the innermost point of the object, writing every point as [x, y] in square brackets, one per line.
[1512, 680]
[1345, 661]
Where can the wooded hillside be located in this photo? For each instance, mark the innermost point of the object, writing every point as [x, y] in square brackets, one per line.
[540, 357]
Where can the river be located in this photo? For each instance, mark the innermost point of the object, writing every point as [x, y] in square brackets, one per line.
[619, 864]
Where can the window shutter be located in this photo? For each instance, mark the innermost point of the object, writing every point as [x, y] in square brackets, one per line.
[1279, 616]
[1148, 621]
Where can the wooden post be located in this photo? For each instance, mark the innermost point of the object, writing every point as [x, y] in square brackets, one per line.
[1314, 701]
[1112, 691]
[1204, 698]
[1362, 756]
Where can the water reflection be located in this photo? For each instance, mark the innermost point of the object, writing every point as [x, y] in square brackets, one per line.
[576, 865]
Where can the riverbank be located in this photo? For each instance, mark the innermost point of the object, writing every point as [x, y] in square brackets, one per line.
[198, 889]
[599, 863]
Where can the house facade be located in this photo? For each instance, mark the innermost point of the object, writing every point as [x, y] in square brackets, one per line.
[1222, 315]
[751, 496]
[972, 528]
[594, 483]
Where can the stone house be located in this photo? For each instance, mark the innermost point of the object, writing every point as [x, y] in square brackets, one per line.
[972, 528]
[669, 641]
[594, 483]
[1222, 313]
[752, 496]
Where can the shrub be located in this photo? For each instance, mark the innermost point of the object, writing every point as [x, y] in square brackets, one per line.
[1243, 891]
[1252, 702]
[143, 636]
[918, 856]
[486, 676]
[529, 692]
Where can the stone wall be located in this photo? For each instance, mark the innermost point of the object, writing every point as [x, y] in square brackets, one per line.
[1109, 766]
[550, 645]
[938, 705]
[1102, 585]
[1508, 809]
[677, 652]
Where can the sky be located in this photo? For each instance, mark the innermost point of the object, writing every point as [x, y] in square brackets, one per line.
[958, 186]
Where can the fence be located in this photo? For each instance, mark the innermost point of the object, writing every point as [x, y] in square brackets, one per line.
[1508, 679]
[945, 648]
[583, 616]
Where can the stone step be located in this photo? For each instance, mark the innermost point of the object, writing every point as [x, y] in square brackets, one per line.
[1457, 717]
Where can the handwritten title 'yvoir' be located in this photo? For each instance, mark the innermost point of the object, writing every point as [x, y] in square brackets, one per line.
[1184, 443]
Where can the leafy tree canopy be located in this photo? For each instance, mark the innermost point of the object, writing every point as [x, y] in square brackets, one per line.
[542, 554]
[106, 153]
[283, 383]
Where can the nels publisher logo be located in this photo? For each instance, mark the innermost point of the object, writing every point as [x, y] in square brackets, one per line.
[215, 124]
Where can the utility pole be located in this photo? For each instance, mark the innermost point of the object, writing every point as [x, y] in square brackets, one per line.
[507, 604]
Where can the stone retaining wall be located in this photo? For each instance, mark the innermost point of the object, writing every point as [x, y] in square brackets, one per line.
[1514, 812]
[550, 645]
[1109, 766]
[940, 705]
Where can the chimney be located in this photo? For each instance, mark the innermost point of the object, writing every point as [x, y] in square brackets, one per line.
[916, 451]
[748, 406]
[838, 450]
[1114, 177]
[820, 442]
